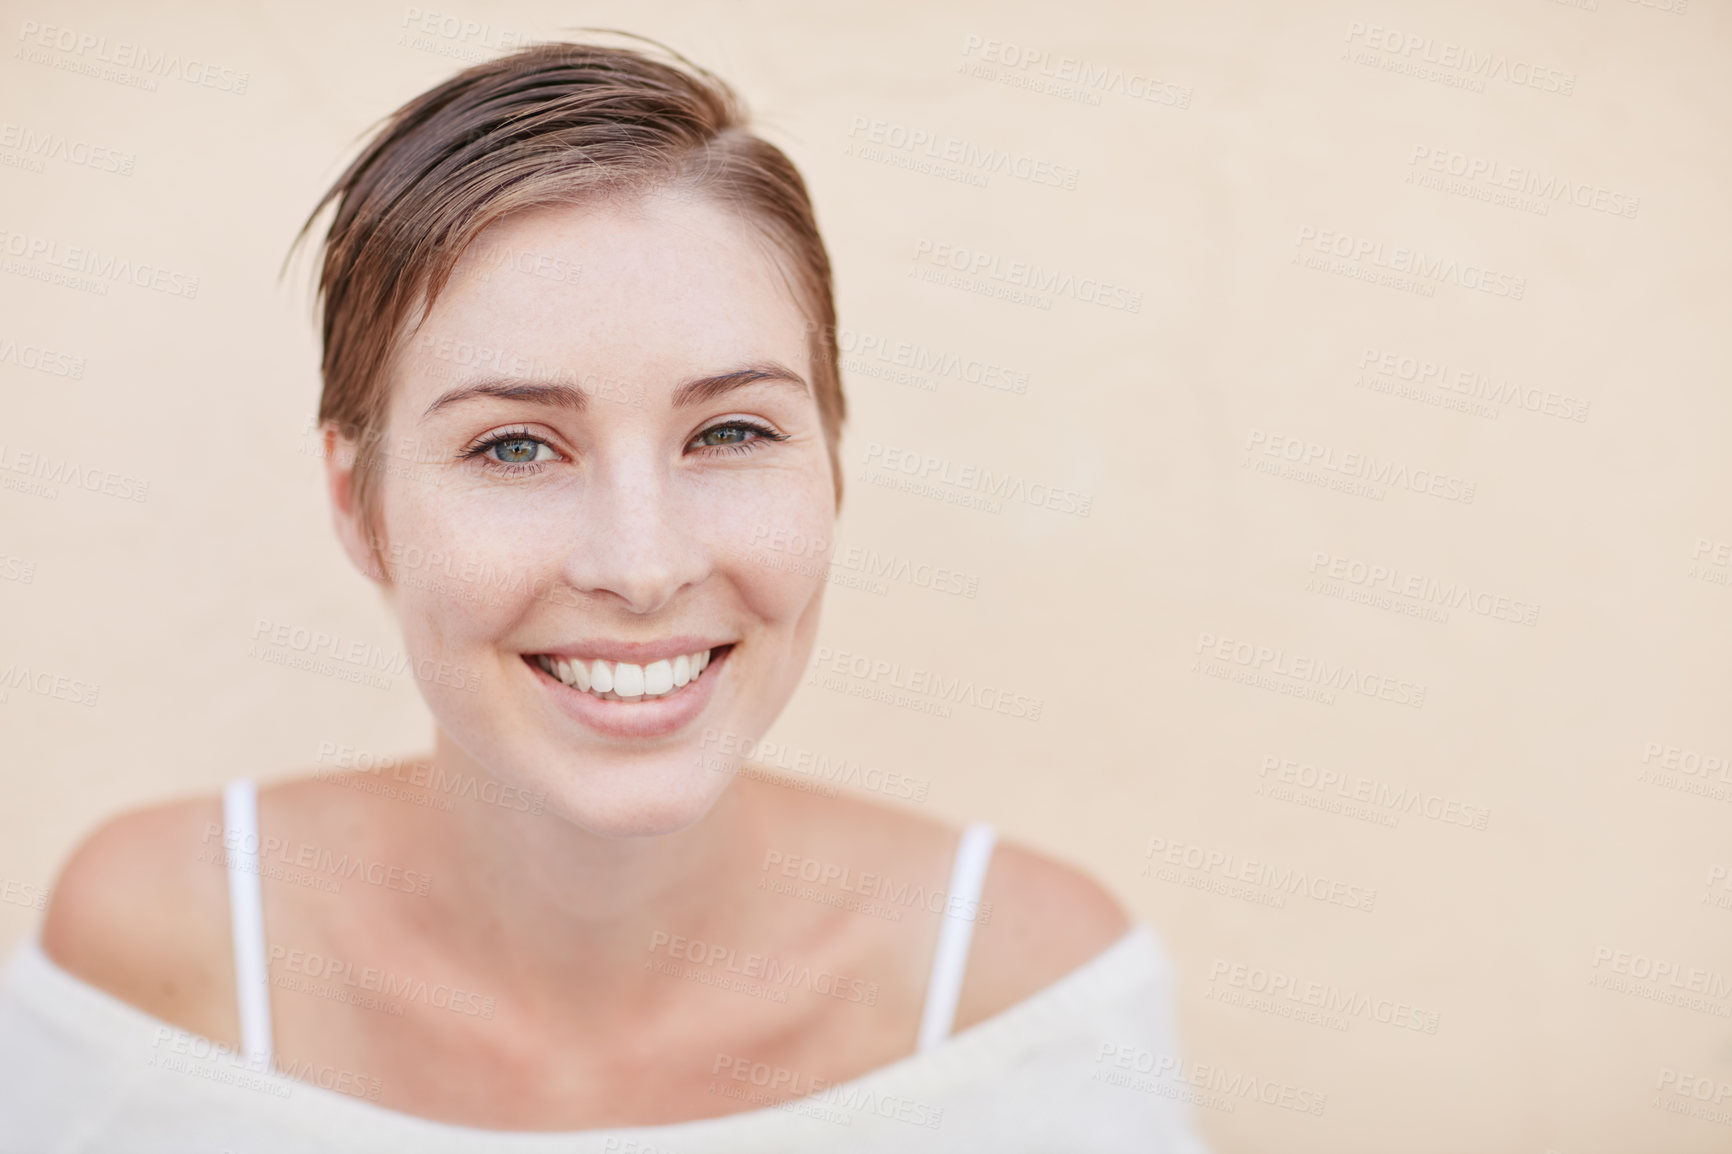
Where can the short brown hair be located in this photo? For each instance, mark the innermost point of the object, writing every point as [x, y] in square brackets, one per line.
[549, 124]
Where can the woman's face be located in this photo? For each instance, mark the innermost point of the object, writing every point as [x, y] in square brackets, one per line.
[589, 441]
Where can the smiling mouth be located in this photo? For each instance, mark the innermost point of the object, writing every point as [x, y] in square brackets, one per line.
[623, 681]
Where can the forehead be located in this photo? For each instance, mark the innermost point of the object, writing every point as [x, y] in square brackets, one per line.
[651, 290]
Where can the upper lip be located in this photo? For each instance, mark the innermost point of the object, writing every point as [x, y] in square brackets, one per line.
[632, 652]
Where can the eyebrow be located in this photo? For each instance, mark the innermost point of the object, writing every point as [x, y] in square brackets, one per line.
[569, 396]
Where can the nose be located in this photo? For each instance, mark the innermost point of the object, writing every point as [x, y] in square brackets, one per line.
[633, 541]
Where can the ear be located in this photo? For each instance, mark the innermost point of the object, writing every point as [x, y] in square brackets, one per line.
[346, 515]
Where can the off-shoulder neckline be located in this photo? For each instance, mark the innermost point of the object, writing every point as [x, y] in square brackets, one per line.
[108, 1023]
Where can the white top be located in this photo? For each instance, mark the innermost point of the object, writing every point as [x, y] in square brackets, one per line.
[81, 1070]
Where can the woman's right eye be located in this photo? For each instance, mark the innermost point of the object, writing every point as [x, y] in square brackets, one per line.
[520, 451]
[512, 451]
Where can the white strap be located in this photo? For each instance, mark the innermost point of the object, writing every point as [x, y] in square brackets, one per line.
[955, 932]
[247, 921]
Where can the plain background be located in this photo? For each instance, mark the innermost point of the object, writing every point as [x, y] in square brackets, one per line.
[1208, 149]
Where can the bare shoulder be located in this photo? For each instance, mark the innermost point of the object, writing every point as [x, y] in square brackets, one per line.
[1039, 919]
[1038, 912]
[140, 910]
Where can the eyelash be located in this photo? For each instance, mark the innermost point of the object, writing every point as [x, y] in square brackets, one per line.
[507, 436]
[764, 433]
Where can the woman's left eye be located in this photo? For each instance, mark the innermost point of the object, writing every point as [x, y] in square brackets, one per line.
[738, 436]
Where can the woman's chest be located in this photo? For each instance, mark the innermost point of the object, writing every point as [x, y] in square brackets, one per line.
[672, 1045]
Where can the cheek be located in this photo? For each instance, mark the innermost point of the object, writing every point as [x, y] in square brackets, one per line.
[463, 575]
[772, 545]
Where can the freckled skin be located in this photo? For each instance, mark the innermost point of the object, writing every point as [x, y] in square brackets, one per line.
[627, 521]
[629, 534]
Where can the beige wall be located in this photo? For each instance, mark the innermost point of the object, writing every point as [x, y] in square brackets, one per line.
[1263, 131]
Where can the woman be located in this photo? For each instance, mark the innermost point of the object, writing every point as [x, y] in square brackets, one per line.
[579, 357]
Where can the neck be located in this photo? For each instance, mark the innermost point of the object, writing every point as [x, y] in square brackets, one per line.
[564, 902]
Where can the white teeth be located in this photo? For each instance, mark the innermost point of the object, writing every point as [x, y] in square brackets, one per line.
[628, 679]
[624, 681]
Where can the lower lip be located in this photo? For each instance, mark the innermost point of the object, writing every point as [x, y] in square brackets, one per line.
[635, 719]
